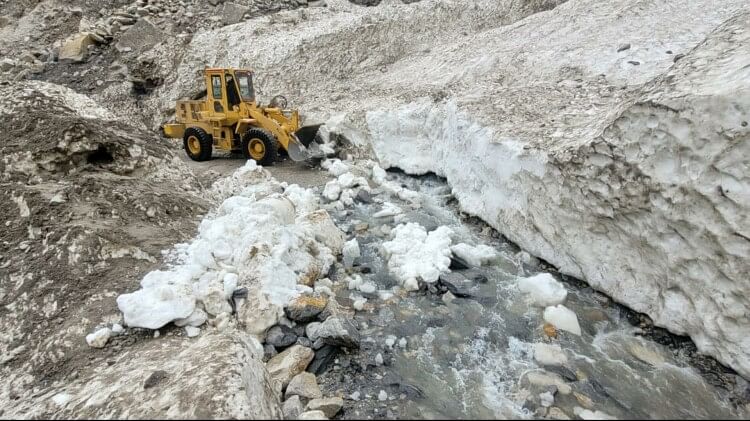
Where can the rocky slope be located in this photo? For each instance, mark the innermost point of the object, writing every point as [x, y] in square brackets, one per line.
[89, 203]
[516, 116]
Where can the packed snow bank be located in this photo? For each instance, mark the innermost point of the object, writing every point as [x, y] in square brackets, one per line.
[640, 192]
[416, 255]
[258, 236]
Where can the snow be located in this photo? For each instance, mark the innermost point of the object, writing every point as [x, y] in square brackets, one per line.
[382, 396]
[546, 354]
[413, 254]
[117, 329]
[402, 343]
[264, 234]
[359, 303]
[351, 252]
[99, 338]
[332, 190]
[562, 318]
[475, 256]
[196, 318]
[61, 399]
[543, 289]
[335, 167]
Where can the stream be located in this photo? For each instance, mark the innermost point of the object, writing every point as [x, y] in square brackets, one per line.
[473, 357]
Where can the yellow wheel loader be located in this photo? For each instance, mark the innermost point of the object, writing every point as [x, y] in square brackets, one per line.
[229, 119]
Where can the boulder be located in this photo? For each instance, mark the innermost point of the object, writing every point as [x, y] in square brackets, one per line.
[329, 406]
[233, 13]
[313, 415]
[75, 48]
[140, 37]
[283, 367]
[258, 314]
[281, 336]
[306, 307]
[292, 408]
[339, 331]
[304, 385]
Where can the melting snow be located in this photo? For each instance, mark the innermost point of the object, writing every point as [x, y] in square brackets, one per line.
[415, 255]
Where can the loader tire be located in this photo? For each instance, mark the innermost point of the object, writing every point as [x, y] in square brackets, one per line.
[198, 144]
[260, 146]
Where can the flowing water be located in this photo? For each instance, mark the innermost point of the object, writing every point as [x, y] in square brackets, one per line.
[473, 357]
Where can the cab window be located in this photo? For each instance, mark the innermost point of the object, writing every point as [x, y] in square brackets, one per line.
[216, 86]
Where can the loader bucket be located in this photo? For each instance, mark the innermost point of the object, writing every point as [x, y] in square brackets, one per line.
[307, 134]
[296, 150]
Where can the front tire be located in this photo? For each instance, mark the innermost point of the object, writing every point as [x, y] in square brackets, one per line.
[260, 146]
[198, 144]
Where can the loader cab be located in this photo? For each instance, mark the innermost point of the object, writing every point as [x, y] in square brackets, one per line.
[227, 89]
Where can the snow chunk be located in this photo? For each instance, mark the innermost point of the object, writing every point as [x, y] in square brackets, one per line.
[475, 256]
[351, 252]
[414, 255]
[332, 190]
[99, 338]
[192, 331]
[543, 289]
[117, 329]
[546, 354]
[562, 318]
[196, 318]
[152, 308]
[335, 167]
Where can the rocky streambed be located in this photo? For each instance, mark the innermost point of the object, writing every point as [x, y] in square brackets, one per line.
[480, 341]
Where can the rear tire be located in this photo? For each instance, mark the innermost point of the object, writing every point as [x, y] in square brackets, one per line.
[198, 144]
[260, 146]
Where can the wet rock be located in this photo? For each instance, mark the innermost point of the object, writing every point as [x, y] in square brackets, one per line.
[458, 263]
[281, 336]
[646, 355]
[339, 331]
[323, 359]
[677, 57]
[563, 372]
[292, 408]
[556, 413]
[544, 379]
[546, 399]
[456, 284]
[313, 415]
[584, 400]
[363, 196]
[329, 406]
[305, 385]
[284, 366]
[305, 308]
[634, 62]
[623, 47]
